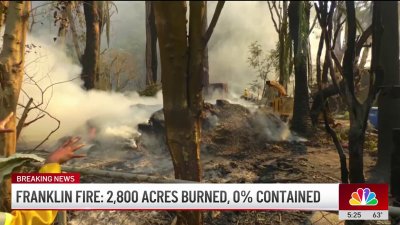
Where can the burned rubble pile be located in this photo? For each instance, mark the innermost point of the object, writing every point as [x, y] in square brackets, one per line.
[239, 145]
[230, 131]
[227, 125]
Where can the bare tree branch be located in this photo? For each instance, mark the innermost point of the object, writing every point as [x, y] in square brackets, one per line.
[329, 19]
[337, 33]
[279, 15]
[23, 117]
[39, 107]
[61, 82]
[337, 62]
[214, 21]
[330, 49]
[349, 56]
[313, 25]
[34, 120]
[73, 31]
[363, 38]
[51, 132]
[326, 32]
[272, 17]
[318, 13]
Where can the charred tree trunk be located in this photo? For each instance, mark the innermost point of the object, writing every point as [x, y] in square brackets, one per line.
[282, 69]
[74, 34]
[322, 95]
[91, 56]
[181, 76]
[182, 58]
[284, 49]
[358, 111]
[299, 14]
[395, 168]
[338, 50]
[151, 45]
[12, 58]
[357, 128]
[279, 16]
[356, 149]
[12, 68]
[205, 71]
[62, 29]
[389, 107]
[309, 63]
[333, 89]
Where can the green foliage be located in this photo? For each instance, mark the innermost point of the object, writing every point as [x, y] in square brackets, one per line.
[274, 57]
[9, 164]
[262, 63]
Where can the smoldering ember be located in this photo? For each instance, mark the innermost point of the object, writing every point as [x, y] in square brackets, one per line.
[194, 92]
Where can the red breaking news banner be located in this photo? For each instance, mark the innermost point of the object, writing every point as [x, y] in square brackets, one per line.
[363, 197]
[42, 178]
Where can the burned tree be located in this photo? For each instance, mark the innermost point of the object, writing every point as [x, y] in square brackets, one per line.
[389, 105]
[338, 27]
[97, 17]
[91, 56]
[182, 55]
[12, 67]
[279, 16]
[12, 58]
[74, 34]
[182, 89]
[395, 168]
[206, 75]
[358, 109]
[324, 17]
[299, 16]
[151, 45]
[60, 17]
[328, 90]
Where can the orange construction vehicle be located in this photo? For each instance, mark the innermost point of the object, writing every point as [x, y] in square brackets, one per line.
[280, 103]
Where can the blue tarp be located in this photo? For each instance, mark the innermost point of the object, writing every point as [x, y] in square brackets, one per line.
[373, 117]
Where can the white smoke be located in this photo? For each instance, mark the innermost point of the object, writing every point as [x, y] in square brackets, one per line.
[239, 24]
[118, 114]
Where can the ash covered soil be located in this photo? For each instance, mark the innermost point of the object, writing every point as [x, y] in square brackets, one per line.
[239, 145]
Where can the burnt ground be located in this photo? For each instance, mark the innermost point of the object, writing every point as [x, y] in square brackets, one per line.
[238, 145]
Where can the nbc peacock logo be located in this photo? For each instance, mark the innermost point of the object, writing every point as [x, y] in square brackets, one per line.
[363, 197]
